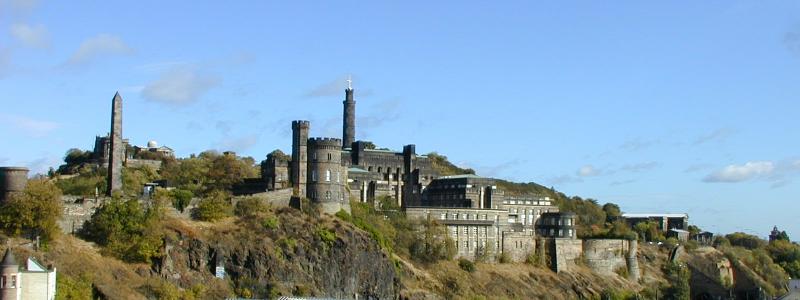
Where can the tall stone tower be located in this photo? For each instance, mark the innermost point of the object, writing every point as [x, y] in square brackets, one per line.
[117, 149]
[327, 177]
[349, 125]
[299, 163]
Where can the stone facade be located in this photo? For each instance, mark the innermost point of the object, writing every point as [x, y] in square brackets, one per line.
[473, 230]
[557, 225]
[605, 256]
[564, 252]
[526, 211]
[665, 221]
[275, 171]
[12, 180]
[326, 175]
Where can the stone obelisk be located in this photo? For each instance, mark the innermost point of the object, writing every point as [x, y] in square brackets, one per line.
[116, 149]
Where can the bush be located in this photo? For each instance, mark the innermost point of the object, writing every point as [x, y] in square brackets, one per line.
[126, 230]
[678, 277]
[181, 199]
[431, 243]
[504, 258]
[270, 222]
[326, 235]
[466, 265]
[74, 287]
[251, 206]
[214, 207]
[746, 240]
[33, 212]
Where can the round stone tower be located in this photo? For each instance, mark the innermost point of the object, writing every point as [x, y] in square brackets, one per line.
[12, 180]
[327, 177]
[9, 272]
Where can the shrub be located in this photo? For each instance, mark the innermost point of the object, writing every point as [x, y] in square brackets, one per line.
[432, 243]
[181, 199]
[326, 235]
[270, 222]
[214, 207]
[504, 258]
[466, 265]
[126, 230]
[33, 212]
[251, 206]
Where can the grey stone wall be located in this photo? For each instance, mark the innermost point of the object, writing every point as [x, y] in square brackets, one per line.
[518, 245]
[564, 253]
[77, 210]
[605, 256]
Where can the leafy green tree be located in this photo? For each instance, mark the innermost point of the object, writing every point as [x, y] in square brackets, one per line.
[126, 230]
[213, 207]
[74, 159]
[787, 255]
[181, 199]
[33, 212]
[746, 240]
[133, 179]
[251, 206]
[432, 243]
[69, 287]
[612, 211]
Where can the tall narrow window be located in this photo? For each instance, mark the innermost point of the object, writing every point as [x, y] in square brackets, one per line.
[328, 195]
[13, 281]
[329, 156]
[314, 175]
[338, 176]
[327, 175]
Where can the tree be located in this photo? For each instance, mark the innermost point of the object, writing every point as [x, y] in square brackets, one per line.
[213, 207]
[746, 240]
[432, 243]
[33, 212]
[612, 212]
[181, 199]
[126, 230]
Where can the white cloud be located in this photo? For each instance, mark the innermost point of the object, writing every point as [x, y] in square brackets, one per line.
[98, 46]
[35, 36]
[739, 173]
[589, 170]
[35, 128]
[42, 165]
[179, 86]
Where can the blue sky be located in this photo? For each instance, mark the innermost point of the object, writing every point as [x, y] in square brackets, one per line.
[667, 107]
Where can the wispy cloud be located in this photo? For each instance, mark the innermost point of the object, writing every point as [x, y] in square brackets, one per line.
[35, 36]
[238, 144]
[379, 114]
[717, 135]
[590, 171]
[639, 167]
[563, 179]
[622, 182]
[697, 167]
[5, 62]
[739, 173]
[33, 127]
[336, 87]
[179, 86]
[637, 144]
[98, 46]
[792, 41]
[43, 164]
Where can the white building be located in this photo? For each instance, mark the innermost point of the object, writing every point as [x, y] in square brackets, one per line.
[35, 282]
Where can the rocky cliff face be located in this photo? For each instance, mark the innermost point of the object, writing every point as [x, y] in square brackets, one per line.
[300, 255]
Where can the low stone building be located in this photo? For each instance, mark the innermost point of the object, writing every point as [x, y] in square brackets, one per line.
[665, 221]
[557, 225]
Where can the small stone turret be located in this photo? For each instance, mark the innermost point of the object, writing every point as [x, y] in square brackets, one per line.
[327, 177]
[10, 285]
[633, 262]
[12, 180]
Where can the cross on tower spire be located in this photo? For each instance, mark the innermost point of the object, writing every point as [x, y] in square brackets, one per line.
[349, 82]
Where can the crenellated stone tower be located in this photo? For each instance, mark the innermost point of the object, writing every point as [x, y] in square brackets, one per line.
[117, 149]
[299, 174]
[349, 119]
[326, 175]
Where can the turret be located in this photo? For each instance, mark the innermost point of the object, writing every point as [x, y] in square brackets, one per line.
[327, 177]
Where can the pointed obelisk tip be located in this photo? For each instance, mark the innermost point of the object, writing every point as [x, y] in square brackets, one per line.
[117, 96]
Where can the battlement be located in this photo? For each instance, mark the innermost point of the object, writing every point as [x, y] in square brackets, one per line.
[301, 123]
[324, 142]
